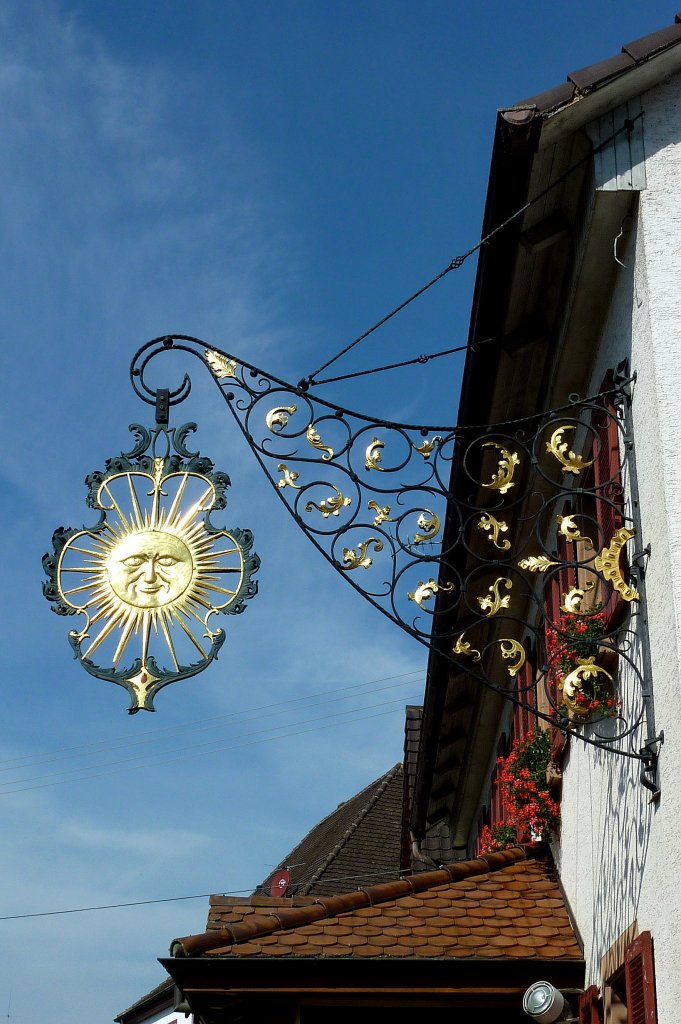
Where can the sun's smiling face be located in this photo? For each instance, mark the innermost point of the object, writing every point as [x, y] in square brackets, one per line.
[150, 569]
[154, 573]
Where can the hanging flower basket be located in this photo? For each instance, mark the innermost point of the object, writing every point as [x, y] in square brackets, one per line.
[530, 813]
[576, 676]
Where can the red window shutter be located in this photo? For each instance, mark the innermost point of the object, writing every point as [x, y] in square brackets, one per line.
[589, 1007]
[523, 719]
[606, 468]
[639, 976]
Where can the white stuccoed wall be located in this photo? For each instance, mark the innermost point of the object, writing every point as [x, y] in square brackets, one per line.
[619, 857]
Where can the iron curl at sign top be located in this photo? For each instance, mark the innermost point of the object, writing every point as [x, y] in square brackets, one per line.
[516, 477]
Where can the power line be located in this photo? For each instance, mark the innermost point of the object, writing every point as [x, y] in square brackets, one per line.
[116, 766]
[202, 724]
[169, 899]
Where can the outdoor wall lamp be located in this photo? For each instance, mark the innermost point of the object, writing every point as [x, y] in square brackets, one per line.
[543, 1002]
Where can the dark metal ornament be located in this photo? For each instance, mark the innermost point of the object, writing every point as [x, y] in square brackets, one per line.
[460, 535]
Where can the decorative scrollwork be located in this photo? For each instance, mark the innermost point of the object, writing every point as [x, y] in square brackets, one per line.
[330, 506]
[495, 526]
[221, 365]
[570, 462]
[503, 480]
[608, 563]
[374, 455]
[429, 523]
[426, 591]
[513, 649]
[277, 418]
[289, 478]
[428, 482]
[315, 440]
[358, 559]
[568, 528]
[492, 605]
[463, 647]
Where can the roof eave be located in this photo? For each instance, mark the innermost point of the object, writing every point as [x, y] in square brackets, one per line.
[525, 133]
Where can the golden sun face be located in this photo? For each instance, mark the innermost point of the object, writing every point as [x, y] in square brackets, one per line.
[150, 569]
[153, 574]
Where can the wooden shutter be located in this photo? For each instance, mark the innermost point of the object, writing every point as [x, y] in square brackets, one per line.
[589, 1007]
[606, 468]
[496, 798]
[524, 720]
[639, 976]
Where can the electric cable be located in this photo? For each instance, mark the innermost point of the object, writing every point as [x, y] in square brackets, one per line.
[172, 899]
[459, 261]
[118, 766]
[27, 760]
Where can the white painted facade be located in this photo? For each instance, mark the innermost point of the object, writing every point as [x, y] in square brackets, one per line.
[618, 853]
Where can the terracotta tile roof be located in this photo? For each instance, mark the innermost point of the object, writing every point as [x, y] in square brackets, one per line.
[360, 840]
[594, 76]
[499, 906]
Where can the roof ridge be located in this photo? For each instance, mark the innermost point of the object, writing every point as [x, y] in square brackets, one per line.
[257, 925]
[329, 859]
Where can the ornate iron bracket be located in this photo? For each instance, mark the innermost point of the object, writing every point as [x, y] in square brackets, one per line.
[493, 544]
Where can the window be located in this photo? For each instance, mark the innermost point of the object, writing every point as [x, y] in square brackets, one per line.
[629, 984]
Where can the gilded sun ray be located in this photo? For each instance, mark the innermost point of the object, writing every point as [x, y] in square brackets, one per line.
[151, 573]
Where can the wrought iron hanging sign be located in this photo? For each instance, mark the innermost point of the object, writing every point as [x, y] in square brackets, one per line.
[150, 578]
[498, 546]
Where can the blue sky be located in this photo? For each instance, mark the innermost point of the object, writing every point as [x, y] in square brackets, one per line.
[271, 177]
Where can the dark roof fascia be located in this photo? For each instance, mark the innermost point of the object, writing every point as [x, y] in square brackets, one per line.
[199, 976]
[523, 132]
[160, 998]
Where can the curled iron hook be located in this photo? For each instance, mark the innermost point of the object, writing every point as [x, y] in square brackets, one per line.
[139, 363]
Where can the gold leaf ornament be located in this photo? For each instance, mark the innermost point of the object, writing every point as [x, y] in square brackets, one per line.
[573, 683]
[289, 478]
[382, 513]
[463, 647]
[330, 506]
[513, 649]
[359, 559]
[315, 440]
[426, 591]
[426, 449]
[503, 480]
[277, 418]
[374, 455]
[495, 602]
[536, 563]
[221, 366]
[567, 527]
[572, 601]
[608, 563]
[429, 523]
[495, 526]
[569, 460]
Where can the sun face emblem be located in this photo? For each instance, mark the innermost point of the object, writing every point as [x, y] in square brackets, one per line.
[153, 573]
